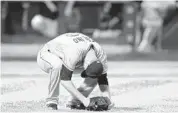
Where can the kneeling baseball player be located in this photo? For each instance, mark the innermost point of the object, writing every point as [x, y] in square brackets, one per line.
[60, 56]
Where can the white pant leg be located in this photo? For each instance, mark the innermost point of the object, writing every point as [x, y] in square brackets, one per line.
[51, 27]
[46, 26]
[51, 64]
[89, 58]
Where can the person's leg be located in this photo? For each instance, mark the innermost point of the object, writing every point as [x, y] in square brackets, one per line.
[51, 29]
[148, 36]
[38, 23]
[9, 27]
[52, 65]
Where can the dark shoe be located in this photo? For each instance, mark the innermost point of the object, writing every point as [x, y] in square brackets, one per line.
[52, 106]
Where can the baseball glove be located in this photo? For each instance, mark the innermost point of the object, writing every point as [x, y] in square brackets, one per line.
[96, 104]
[99, 104]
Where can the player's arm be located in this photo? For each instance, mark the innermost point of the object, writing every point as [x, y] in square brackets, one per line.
[66, 75]
[104, 88]
[68, 8]
[51, 6]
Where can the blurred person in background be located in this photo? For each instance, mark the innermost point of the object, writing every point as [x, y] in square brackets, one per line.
[26, 6]
[14, 13]
[3, 15]
[46, 22]
[9, 8]
[110, 19]
[152, 16]
[73, 17]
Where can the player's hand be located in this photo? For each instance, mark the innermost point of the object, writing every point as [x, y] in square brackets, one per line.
[75, 104]
[99, 104]
[110, 103]
[111, 106]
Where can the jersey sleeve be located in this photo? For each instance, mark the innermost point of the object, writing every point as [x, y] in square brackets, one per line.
[101, 55]
[105, 66]
[71, 58]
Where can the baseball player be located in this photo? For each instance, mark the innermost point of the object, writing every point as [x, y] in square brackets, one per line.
[60, 56]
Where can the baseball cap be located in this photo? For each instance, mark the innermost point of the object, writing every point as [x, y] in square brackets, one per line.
[95, 69]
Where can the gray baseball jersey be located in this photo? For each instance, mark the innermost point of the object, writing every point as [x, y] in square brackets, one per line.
[72, 48]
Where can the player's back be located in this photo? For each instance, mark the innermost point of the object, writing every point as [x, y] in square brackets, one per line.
[70, 44]
[71, 40]
[73, 47]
